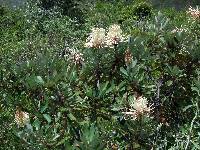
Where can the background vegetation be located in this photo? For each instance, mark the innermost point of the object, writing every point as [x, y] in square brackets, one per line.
[55, 93]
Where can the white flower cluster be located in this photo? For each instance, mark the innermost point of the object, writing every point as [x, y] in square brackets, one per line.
[114, 35]
[98, 37]
[138, 108]
[194, 13]
[77, 57]
[21, 118]
[179, 30]
[140, 105]
[74, 55]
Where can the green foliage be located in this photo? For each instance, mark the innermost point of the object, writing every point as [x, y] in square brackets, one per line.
[70, 8]
[118, 12]
[82, 98]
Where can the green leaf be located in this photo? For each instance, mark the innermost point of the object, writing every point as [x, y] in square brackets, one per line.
[187, 107]
[123, 71]
[133, 64]
[169, 83]
[89, 91]
[64, 140]
[103, 90]
[136, 145]
[71, 116]
[58, 116]
[47, 117]
[105, 86]
[196, 145]
[195, 89]
[43, 108]
[39, 80]
[109, 89]
[36, 124]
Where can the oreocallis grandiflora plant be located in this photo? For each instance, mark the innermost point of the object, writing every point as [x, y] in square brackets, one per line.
[132, 85]
[115, 77]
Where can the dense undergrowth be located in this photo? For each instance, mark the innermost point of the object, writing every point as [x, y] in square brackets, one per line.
[98, 75]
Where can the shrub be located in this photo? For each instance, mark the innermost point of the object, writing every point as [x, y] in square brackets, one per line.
[129, 86]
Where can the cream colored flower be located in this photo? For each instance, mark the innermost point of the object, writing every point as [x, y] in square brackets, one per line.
[72, 54]
[78, 58]
[138, 108]
[114, 35]
[21, 118]
[194, 13]
[96, 38]
[140, 105]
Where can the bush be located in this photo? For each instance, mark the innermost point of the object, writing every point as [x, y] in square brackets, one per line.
[131, 87]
